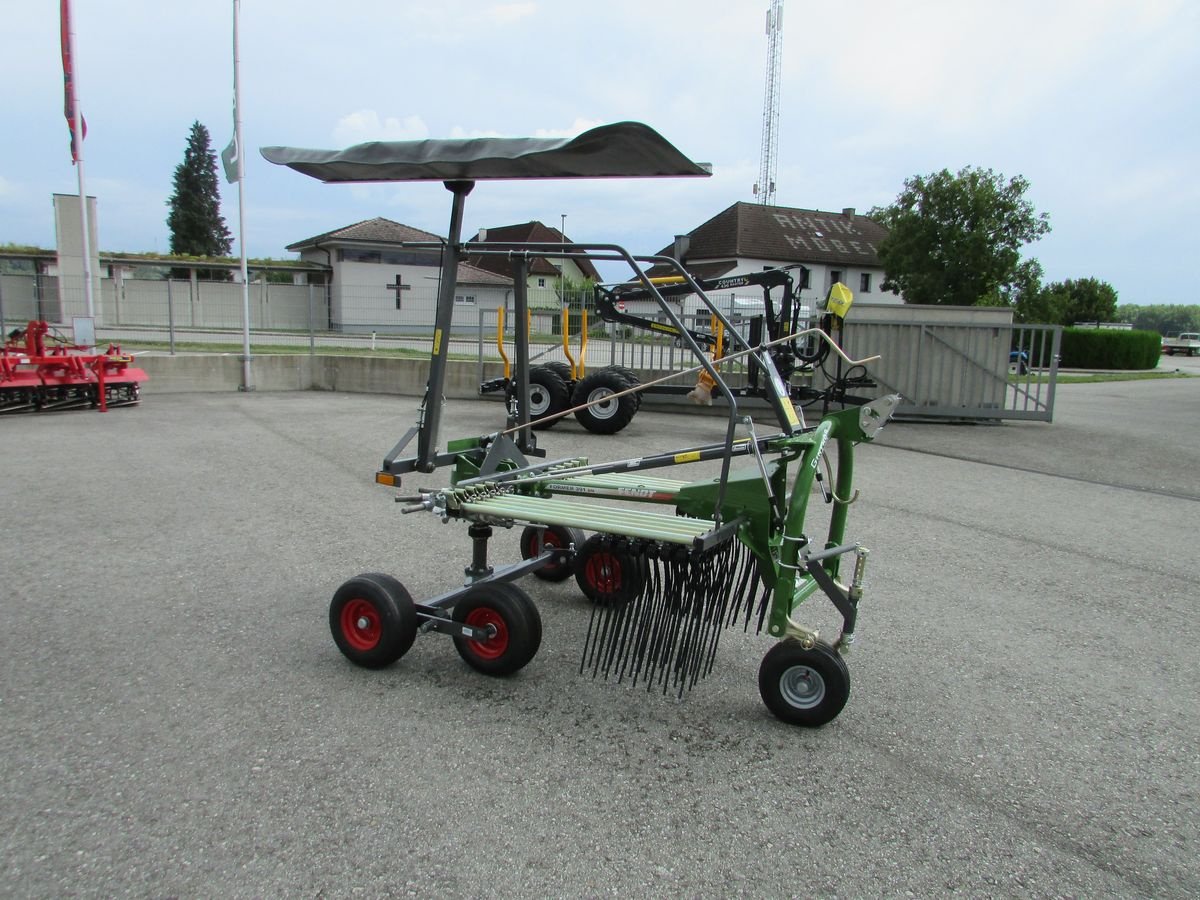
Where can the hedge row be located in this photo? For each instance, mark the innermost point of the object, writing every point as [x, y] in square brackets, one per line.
[1106, 348]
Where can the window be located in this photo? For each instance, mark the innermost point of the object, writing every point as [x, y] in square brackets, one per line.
[351, 255]
[835, 276]
[465, 299]
[864, 283]
[806, 279]
[541, 282]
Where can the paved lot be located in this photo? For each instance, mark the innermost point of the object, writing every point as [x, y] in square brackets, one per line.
[176, 721]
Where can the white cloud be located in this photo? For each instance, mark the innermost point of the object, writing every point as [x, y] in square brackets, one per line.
[579, 126]
[507, 13]
[366, 125]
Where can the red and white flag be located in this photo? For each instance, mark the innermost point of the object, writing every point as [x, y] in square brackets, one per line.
[69, 81]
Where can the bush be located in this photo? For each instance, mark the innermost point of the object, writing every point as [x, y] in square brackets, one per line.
[1107, 348]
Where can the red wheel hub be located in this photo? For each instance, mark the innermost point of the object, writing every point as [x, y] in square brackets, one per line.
[361, 624]
[603, 572]
[495, 646]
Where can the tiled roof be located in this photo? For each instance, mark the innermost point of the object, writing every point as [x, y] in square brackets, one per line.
[468, 274]
[531, 233]
[371, 231]
[787, 235]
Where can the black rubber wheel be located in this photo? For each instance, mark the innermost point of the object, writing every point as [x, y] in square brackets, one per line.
[552, 536]
[547, 395]
[804, 687]
[609, 414]
[516, 628]
[373, 620]
[559, 368]
[630, 378]
[607, 574]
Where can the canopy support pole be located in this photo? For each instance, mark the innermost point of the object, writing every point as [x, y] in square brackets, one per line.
[435, 398]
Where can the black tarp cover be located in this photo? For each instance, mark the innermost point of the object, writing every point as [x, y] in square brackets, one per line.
[621, 150]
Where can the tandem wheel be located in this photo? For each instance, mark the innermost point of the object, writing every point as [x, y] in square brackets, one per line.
[608, 576]
[553, 537]
[807, 687]
[373, 620]
[513, 620]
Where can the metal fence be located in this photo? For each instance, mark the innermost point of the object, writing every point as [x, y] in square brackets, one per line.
[941, 370]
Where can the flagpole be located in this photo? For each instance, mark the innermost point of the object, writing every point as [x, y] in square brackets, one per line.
[247, 380]
[77, 158]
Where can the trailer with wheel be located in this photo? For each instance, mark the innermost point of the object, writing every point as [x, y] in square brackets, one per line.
[668, 563]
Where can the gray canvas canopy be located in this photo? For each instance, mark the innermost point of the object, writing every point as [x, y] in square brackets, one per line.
[621, 150]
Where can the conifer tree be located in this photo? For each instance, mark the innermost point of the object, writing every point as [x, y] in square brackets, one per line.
[195, 221]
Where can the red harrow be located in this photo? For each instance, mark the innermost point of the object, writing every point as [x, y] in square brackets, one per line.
[40, 370]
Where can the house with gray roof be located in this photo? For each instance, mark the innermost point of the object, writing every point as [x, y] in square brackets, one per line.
[546, 275]
[749, 237]
[379, 285]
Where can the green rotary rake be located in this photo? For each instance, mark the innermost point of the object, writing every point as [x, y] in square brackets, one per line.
[668, 564]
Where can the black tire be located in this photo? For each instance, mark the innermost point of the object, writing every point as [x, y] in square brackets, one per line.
[607, 574]
[373, 620]
[609, 414]
[548, 395]
[804, 687]
[559, 368]
[553, 536]
[630, 378]
[516, 621]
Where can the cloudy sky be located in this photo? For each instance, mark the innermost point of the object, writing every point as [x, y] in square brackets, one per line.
[1093, 101]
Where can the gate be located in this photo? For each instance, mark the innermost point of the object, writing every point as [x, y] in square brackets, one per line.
[960, 370]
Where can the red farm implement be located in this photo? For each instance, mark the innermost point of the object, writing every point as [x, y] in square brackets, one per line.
[41, 370]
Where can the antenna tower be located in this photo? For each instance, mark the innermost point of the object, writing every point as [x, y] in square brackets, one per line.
[764, 189]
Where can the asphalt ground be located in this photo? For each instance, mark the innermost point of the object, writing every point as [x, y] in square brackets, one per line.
[175, 720]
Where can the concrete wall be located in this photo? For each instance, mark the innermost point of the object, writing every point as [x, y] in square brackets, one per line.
[187, 373]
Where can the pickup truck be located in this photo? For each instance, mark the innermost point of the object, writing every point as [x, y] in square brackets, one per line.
[1187, 343]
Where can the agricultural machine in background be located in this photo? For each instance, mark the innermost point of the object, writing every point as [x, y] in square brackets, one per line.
[669, 564]
[601, 400]
[41, 370]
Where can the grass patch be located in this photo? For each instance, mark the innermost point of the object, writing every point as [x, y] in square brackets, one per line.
[1101, 377]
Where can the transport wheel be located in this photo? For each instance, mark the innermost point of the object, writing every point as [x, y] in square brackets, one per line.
[514, 621]
[609, 414]
[547, 395]
[373, 620]
[804, 687]
[607, 575]
[552, 536]
[630, 378]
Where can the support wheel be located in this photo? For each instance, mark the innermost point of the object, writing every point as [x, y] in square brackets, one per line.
[373, 620]
[553, 536]
[515, 624]
[804, 687]
[609, 413]
[608, 574]
[547, 395]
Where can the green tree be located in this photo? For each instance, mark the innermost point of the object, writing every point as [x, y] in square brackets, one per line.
[1082, 300]
[195, 221]
[1163, 318]
[956, 239]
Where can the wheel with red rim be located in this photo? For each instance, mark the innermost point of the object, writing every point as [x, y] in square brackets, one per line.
[553, 536]
[606, 573]
[373, 620]
[513, 623]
